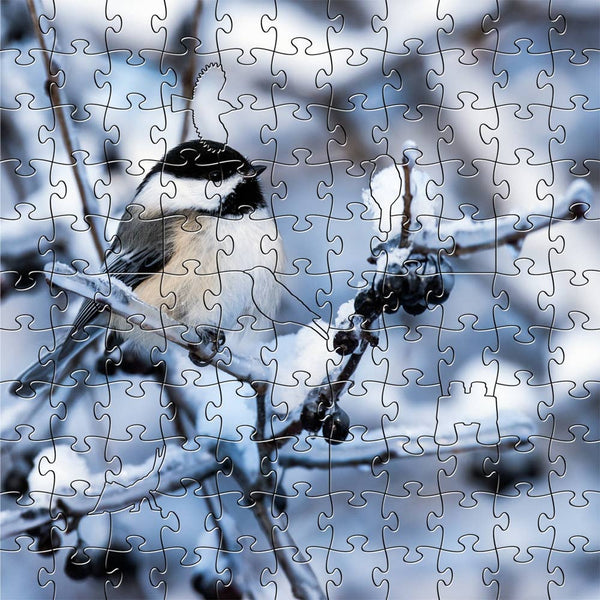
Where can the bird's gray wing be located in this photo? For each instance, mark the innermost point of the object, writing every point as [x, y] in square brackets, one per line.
[139, 251]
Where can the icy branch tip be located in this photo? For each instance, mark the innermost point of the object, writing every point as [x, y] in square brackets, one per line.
[410, 153]
[580, 190]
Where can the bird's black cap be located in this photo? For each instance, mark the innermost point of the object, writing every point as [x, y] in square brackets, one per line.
[198, 159]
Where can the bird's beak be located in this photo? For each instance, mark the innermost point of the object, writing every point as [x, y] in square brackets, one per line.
[254, 172]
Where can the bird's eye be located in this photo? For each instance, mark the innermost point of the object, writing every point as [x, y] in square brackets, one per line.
[215, 176]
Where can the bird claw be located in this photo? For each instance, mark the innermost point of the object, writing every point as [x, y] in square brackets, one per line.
[213, 335]
[209, 335]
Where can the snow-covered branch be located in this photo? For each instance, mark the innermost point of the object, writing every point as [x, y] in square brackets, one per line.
[465, 236]
[392, 446]
[122, 301]
[295, 565]
[161, 473]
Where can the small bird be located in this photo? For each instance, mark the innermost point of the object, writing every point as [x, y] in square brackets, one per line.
[197, 241]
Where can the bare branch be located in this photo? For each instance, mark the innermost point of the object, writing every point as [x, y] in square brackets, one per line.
[190, 72]
[299, 572]
[59, 107]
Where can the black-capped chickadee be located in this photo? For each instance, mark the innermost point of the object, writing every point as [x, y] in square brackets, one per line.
[198, 241]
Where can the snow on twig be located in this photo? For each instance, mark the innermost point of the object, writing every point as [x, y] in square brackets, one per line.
[134, 484]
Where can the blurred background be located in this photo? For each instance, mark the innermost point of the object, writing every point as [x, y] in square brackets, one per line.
[502, 98]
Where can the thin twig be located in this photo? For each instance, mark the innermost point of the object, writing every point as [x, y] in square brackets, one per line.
[59, 106]
[408, 198]
[188, 76]
[331, 388]
[299, 572]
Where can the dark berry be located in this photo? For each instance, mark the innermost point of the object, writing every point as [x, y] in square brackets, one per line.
[345, 342]
[415, 309]
[313, 414]
[416, 284]
[440, 280]
[368, 304]
[391, 296]
[78, 565]
[106, 365]
[213, 589]
[394, 285]
[48, 540]
[336, 426]
[15, 478]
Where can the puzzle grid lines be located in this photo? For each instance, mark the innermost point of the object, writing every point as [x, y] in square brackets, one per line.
[470, 468]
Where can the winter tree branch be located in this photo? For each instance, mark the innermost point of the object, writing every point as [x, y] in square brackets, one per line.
[59, 108]
[128, 489]
[165, 471]
[190, 72]
[305, 585]
[471, 236]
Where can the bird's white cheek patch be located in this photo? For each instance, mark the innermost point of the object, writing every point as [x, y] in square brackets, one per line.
[174, 193]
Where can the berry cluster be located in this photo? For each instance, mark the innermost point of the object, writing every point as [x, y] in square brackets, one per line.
[419, 281]
[334, 421]
[413, 284]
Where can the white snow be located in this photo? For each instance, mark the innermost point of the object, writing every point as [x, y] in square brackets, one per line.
[384, 198]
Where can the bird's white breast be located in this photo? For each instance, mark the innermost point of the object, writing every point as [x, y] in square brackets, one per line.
[207, 281]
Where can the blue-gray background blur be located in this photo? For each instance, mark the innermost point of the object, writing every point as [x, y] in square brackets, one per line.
[502, 98]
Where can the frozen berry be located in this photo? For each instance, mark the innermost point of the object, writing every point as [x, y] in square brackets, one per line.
[416, 282]
[368, 304]
[345, 342]
[78, 565]
[106, 365]
[440, 281]
[393, 287]
[416, 308]
[214, 589]
[336, 426]
[313, 414]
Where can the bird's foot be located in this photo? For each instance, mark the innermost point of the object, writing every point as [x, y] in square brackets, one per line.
[214, 338]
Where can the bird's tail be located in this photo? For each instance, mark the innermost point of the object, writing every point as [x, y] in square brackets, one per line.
[51, 368]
